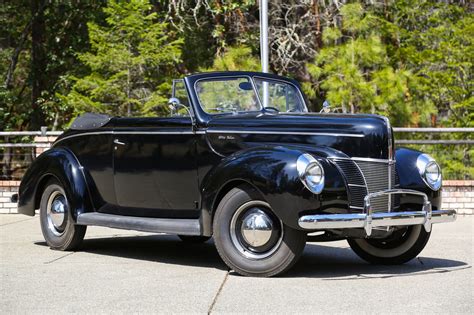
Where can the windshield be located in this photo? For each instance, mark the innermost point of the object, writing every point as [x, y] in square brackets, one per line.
[240, 94]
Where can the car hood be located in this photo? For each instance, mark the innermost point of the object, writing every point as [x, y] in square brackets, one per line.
[364, 136]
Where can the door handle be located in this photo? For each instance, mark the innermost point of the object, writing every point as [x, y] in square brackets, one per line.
[117, 141]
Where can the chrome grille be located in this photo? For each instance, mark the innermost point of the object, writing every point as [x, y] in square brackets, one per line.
[368, 177]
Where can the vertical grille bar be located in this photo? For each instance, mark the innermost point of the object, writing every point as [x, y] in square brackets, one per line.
[368, 177]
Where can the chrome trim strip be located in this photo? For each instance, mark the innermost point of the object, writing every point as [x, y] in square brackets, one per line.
[153, 132]
[199, 132]
[369, 220]
[272, 132]
[361, 159]
[83, 134]
[202, 132]
[389, 186]
[390, 158]
[355, 185]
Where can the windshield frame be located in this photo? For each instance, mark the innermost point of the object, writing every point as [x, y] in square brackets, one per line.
[302, 100]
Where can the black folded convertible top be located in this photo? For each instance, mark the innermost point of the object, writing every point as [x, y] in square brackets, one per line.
[90, 121]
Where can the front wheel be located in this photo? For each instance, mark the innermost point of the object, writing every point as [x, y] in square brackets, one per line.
[251, 239]
[57, 224]
[400, 247]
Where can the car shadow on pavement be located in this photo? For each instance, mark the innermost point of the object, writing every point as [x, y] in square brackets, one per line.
[336, 263]
[318, 261]
[168, 249]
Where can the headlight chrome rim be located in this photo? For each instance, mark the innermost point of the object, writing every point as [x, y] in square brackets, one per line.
[305, 164]
[424, 163]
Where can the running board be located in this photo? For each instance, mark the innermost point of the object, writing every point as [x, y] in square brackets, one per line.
[155, 225]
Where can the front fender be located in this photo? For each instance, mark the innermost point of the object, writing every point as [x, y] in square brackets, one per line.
[272, 171]
[411, 179]
[61, 164]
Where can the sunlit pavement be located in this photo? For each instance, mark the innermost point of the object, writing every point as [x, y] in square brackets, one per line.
[124, 271]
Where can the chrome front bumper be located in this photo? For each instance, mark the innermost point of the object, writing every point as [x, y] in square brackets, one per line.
[368, 220]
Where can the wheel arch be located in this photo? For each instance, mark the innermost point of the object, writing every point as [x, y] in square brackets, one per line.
[270, 170]
[41, 186]
[62, 165]
[234, 183]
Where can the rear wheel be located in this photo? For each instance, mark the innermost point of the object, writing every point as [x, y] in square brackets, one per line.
[251, 239]
[57, 225]
[402, 246]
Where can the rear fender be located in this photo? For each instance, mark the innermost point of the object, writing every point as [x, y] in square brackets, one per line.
[59, 164]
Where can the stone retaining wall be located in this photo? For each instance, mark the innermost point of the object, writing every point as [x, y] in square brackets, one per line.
[457, 194]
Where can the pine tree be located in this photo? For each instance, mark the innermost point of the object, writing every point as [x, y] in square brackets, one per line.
[131, 60]
[354, 71]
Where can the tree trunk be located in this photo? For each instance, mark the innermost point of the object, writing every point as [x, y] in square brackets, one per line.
[6, 162]
[38, 62]
[14, 57]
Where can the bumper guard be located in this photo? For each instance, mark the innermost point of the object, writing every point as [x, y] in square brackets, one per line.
[369, 220]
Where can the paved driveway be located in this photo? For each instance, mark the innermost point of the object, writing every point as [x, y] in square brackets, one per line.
[125, 271]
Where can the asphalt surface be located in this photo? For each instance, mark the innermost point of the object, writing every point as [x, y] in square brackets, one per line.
[131, 272]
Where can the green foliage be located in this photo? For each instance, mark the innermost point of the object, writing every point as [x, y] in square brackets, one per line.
[235, 59]
[436, 42]
[354, 72]
[408, 59]
[132, 60]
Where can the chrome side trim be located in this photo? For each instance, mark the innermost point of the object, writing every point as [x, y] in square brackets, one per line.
[83, 134]
[202, 132]
[369, 220]
[273, 132]
[390, 158]
[360, 159]
[93, 133]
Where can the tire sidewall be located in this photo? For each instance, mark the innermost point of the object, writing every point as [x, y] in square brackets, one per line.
[63, 241]
[288, 251]
[398, 255]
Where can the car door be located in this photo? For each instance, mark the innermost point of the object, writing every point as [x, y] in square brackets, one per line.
[155, 171]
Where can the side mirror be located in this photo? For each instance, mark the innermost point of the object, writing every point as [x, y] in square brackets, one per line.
[173, 104]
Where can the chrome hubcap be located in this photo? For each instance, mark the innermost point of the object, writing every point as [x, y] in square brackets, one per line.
[255, 231]
[256, 228]
[57, 209]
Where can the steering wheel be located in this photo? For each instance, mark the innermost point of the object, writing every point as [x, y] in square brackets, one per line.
[272, 108]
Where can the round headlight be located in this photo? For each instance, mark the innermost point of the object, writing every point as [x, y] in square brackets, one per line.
[310, 172]
[429, 170]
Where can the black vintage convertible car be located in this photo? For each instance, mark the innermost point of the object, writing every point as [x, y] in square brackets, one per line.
[241, 159]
